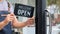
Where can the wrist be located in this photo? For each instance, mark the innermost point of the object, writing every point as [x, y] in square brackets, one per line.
[5, 21]
[2, 24]
[26, 23]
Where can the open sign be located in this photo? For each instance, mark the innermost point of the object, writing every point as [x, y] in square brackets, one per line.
[23, 10]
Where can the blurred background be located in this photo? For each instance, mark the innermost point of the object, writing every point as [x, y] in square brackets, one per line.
[53, 16]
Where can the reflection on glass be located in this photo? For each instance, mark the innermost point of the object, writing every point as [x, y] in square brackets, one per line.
[53, 7]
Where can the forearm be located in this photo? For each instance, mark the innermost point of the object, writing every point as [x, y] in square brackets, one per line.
[19, 25]
[22, 24]
[3, 24]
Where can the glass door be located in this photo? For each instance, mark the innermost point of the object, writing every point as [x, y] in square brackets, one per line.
[53, 16]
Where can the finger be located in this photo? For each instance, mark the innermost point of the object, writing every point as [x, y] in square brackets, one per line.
[31, 21]
[33, 17]
[12, 14]
[8, 16]
[11, 18]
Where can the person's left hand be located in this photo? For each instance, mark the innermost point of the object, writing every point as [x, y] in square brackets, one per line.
[30, 21]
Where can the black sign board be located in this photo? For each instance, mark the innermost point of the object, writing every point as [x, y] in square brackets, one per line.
[23, 10]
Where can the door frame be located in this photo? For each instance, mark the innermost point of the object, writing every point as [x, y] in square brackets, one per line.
[40, 17]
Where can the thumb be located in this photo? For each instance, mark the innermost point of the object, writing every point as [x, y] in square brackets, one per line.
[12, 14]
[33, 17]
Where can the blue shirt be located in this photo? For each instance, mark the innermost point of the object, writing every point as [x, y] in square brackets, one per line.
[3, 10]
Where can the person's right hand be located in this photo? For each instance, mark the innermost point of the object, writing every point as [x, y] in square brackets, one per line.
[6, 21]
[8, 18]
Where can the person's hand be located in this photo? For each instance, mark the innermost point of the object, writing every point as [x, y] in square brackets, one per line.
[8, 18]
[30, 21]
